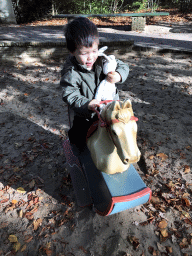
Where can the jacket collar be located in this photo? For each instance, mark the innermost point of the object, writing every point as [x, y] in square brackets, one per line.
[97, 65]
[76, 63]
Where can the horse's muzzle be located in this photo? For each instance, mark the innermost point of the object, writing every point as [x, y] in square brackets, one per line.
[132, 159]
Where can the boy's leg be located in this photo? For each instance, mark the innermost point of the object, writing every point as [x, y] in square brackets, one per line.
[78, 132]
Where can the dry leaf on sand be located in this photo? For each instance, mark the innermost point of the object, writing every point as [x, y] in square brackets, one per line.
[186, 169]
[37, 223]
[162, 224]
[12, 238]
[16, 247]
[164, 232]
[162, 156]
[21, 190]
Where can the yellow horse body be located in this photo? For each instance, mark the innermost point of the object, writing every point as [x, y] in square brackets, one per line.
[113, 146]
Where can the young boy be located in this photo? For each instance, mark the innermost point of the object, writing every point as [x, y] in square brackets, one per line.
[81, 75]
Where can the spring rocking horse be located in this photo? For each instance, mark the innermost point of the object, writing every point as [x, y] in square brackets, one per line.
[103, 174]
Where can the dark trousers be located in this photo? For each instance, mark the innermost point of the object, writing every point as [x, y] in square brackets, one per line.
[78, 132]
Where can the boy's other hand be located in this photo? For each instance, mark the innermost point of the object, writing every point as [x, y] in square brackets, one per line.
[93, 104]
[113, 77]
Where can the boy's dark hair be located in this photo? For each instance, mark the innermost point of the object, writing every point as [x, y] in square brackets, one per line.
[80, 32]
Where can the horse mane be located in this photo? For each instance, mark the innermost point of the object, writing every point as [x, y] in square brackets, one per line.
[123, 115]
[119, 110]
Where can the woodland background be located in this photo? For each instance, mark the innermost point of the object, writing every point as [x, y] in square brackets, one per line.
[32, 10]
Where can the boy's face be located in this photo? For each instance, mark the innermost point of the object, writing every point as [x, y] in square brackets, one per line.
[87, 55]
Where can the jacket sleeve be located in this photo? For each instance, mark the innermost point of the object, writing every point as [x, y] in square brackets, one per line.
[70, 82]
[123, 70]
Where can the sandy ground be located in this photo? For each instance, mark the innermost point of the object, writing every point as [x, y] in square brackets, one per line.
[39, 215]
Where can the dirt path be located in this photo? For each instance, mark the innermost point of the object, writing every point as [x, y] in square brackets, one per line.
[38, 206]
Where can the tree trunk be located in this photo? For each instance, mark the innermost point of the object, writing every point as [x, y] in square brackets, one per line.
[6, 12]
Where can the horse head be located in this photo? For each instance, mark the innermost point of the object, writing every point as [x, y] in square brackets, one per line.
[123, 130]
[114, 147]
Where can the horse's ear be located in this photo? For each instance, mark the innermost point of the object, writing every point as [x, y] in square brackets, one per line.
[127, 104]
[115, 106]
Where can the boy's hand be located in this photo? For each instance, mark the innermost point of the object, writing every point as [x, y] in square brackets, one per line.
[113, 77]
[93, 104]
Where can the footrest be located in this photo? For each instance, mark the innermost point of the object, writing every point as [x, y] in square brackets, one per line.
[127, 190]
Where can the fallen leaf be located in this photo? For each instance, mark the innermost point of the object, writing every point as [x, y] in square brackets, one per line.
[184, 243]
[177, 234]
[35, 209]
[16, 246]
[12, 238]
[20, 214]
[29, 215]
[186, 202]
[186, 214]
[151, 157]
[164, 233]
[9, 207]
[23, 248]
[52, 221]
[162, 156]
[4, 200]
[21, 190]
[155, 200]
[48, 251]
[134, 241]
[187, 221]
[14, 201]
[170, 185]
[186, 169]
[37, 223]
[152, 250]
[48, 245]
[154, 172]
[186, 195]
[169, 249]
[33, 199]
[162, 208]
[28, 238]
[144, 223]
[162, 224]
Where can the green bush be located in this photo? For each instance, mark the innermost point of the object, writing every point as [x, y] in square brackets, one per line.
[139, 5]
[88, 6]
[30, 10]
